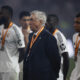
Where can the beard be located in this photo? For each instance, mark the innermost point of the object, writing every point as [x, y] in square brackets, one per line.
[3, 20]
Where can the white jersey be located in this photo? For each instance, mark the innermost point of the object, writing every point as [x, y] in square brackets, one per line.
[75, 75]
[61, 42]
[9, 56]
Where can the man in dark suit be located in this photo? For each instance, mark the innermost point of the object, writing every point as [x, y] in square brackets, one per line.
[42, 59]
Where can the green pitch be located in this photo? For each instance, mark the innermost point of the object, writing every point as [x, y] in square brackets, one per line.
[72, 65]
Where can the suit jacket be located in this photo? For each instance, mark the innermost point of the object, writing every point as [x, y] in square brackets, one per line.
[44, 60]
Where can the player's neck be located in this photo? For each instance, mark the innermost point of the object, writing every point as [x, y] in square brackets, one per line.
[7, 24]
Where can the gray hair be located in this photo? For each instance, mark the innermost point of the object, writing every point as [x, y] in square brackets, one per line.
[40, 16]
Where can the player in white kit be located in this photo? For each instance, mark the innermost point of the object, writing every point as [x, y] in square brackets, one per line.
[52, 22]
[11, 44]
[76, 44]
[24, 19]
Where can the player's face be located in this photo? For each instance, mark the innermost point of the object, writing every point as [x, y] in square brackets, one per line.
[3, 20]
[6, 13]
[77, 24]
[51, 23]
[25, 21]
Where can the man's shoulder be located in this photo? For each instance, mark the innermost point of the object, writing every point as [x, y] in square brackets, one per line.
[75, 35]
[15, 24]
[16, 28]
[60, 36]
[58, 32]
[46, 32]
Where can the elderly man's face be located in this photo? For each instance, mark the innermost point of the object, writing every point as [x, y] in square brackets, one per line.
[34, 23]
[77, 24]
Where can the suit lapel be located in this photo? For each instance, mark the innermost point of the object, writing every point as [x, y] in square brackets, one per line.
[36, 42]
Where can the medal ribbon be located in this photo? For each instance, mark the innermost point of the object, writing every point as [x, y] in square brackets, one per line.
[55, 32]
[4, 35]
[77, 46]
[34, 39]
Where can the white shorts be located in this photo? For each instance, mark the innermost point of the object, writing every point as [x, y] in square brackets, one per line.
[9, 76]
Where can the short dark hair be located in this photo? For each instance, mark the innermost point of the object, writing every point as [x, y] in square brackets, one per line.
[9, 8]
[78, 15]
[24, 13]
[54, 16]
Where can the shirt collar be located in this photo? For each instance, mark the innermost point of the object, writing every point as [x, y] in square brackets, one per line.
[35, 33]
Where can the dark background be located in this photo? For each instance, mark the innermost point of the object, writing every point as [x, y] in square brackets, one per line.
[65, 9]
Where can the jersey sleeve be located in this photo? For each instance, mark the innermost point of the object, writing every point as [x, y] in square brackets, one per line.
[61, 42]
[19, 37]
